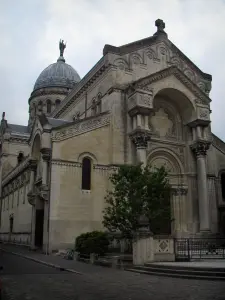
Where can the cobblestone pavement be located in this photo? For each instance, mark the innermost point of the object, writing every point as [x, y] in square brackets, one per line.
[23, 279]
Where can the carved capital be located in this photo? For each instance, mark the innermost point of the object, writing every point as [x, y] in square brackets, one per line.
[140, 138]
[32, 164]
[181, 191]
[200, 148]
[46, 153]
[44, 192]
[31, 198]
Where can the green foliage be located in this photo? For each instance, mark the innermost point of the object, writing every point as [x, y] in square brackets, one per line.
[92, 242]
[137, 191]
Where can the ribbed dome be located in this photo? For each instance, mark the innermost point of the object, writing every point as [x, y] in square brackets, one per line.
[58, 74]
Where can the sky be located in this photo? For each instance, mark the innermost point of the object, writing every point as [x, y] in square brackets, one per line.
[30, 32]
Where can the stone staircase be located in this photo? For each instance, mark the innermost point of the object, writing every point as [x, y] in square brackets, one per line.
[178, 271]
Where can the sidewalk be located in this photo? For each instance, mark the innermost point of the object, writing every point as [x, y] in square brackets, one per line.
[57, 262]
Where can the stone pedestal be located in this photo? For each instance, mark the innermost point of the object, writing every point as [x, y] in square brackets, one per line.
[143, 249]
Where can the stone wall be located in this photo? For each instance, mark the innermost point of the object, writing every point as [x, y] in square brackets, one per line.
[73, 210]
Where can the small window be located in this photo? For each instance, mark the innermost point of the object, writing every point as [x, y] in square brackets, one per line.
[86, 174]
[20, 157]
[57, 102]
[49, 106]
[40, 106]
[93, 108]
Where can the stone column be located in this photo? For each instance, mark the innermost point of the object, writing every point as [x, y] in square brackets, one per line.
[31, 200]
[200, 149]
[140, 138]
[46, 153]
[178, 207]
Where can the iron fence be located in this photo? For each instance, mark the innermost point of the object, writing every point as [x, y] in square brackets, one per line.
[199, 248]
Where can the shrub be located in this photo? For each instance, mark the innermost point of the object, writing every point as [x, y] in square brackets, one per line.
[92, 242]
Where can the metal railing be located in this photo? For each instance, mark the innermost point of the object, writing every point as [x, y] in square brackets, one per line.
[199, 248]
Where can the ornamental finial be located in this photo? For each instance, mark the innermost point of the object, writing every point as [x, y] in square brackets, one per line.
[62, 47]
[160, 27]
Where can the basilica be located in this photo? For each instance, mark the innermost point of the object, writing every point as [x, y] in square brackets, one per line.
[141, 102]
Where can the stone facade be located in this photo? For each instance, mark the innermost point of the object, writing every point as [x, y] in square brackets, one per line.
[142, 102]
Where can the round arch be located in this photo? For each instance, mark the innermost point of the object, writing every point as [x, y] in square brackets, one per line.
[163, 156]
[89, 155]
[182, 99]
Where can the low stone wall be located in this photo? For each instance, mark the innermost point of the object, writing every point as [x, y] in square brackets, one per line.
[22, 238]
[148, 248]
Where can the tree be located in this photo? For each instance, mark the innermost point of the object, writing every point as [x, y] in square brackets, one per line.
[137, 191]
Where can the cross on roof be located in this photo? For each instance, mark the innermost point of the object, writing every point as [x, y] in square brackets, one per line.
[160, 25]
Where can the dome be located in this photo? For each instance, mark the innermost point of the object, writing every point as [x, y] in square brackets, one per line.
[58, 74]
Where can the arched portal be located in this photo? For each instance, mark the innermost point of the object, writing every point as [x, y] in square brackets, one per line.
[181, 100]
[177, 206]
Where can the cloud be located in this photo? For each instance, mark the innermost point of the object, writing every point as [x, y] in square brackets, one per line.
[30, 31]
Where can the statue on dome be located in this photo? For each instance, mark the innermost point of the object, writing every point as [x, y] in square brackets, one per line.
[62, 47]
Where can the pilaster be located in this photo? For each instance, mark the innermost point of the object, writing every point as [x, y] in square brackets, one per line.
[178, 205]
[44, 194]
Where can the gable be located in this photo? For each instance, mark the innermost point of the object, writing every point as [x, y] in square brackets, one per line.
[173, 77]
[154, 54]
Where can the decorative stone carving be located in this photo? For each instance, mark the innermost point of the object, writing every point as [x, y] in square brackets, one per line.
[180, 191]
[46, 153]
[140, 102]
[202, 116]
[140, 138]
[162, 123]
[200, 148]
[31, 198]
[44, 192]
[81, 127]
[32, 164]
[173, 70]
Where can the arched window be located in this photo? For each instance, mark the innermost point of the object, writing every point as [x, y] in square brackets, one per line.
[49, 106]
[40, 104]
[20, 157]
[57, 102]
[93, 107]
[99, 104]
[223, 185]
[86, 174]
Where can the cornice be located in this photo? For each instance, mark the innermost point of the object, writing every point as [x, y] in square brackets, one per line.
[49, 91]
[76, 164]
[68, 163]
[16, 171]
[173, 70]
[218, 143]
[81, 126]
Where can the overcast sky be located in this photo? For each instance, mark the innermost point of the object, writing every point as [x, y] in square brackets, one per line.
[30, 31]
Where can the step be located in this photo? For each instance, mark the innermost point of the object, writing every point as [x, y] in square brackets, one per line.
[195, 272]
[198, 277]
[180, 267]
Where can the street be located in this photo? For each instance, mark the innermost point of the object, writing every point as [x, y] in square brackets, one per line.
[23, 279]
